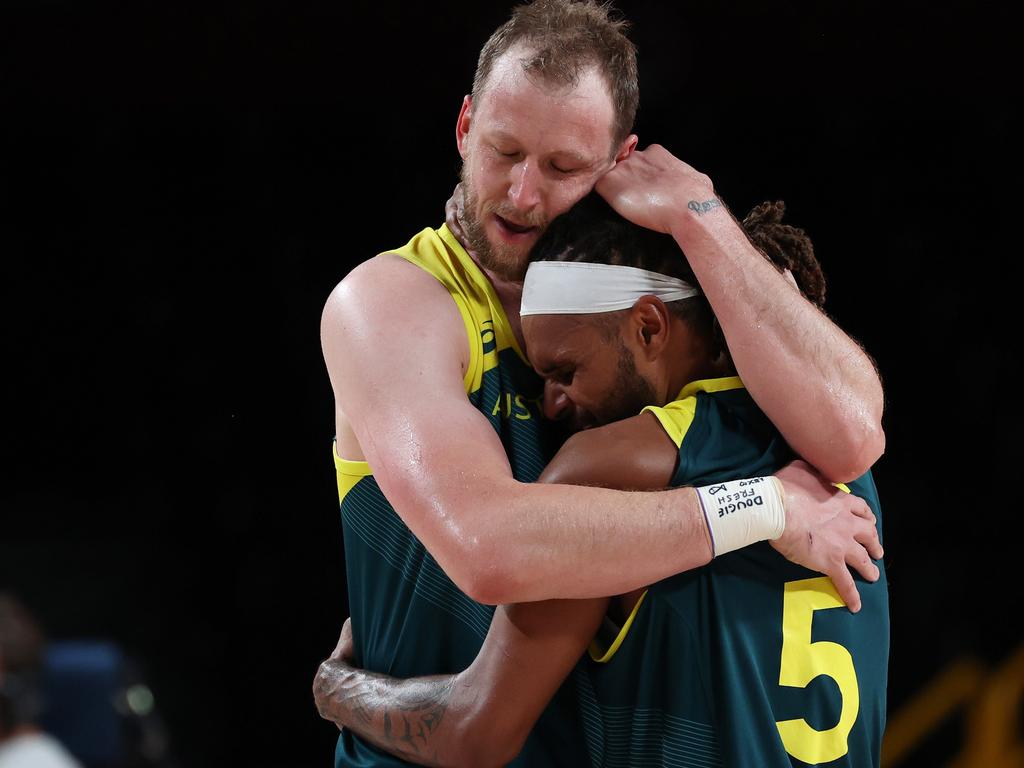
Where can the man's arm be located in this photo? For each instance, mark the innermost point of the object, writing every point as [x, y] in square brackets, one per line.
[396, 350]
[479, 717]
[482, 716]
[816, 384]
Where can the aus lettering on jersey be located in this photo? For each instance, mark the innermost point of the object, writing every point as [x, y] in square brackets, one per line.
[509, 406]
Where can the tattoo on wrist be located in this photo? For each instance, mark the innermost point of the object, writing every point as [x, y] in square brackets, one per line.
[701, 208]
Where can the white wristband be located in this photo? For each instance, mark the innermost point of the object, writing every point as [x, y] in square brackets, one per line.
[742, 512]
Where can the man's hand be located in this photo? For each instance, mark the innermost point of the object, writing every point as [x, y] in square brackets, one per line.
[343, 650]
[654, 189]
[329, 676]
[827, 530]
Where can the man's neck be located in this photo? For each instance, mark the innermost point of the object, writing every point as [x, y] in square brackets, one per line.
[509, 293]
[688, 364]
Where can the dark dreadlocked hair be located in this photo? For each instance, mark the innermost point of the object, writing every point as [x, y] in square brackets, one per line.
[787, 247]
[591, 231]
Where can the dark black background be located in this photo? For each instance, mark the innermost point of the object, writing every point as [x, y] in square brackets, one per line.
[183, 186]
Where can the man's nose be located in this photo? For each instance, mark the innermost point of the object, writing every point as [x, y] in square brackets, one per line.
[525, 187]
[556, 402]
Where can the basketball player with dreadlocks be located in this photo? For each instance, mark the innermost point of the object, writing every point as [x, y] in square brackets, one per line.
[724, 665]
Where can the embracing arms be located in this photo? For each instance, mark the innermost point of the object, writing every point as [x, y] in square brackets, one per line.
[816, 384]
[479, 717]
[396, 350]
[483, 715]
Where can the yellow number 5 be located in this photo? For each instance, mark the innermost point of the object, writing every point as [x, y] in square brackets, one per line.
[802, 661]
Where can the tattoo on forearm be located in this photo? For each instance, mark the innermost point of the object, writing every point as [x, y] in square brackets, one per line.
[701, 208]
[360, 712]
[401, 716]
[414, 723]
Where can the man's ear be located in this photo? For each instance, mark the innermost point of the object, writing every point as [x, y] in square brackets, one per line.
[626, 147]
[462, 124]
[650, 326]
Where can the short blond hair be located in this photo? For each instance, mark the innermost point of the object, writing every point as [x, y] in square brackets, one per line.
[563, 38]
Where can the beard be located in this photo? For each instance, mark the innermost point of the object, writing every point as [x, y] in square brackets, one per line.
[632, 391]
[508, 262]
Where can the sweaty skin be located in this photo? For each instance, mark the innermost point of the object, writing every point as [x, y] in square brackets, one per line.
[483, 715]
[393, 341]
[815, 384]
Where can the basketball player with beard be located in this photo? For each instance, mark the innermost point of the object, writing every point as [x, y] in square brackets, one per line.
[714, 667]
[439, 434]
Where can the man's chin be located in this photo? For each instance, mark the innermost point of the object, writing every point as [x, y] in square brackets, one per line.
[504, 262]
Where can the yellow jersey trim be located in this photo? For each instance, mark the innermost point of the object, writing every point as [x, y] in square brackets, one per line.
[501, 321]
[349, 472]
[474, 364]
[677, 417]
[722, 384]
[488, 330]
[439, 254]
[430, 257]
[604, 657]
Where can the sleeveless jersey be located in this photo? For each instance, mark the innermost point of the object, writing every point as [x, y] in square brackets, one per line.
[408, 617]
[750, 660]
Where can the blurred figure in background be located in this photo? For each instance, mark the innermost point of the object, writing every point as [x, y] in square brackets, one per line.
[23, 744]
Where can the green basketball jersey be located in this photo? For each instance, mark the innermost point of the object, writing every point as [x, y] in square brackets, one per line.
[750, 660]
[408, 618]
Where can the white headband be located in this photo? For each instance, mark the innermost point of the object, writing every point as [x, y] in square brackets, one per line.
[576, 288]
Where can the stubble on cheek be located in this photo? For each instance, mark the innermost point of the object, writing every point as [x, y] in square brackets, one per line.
[508, 262]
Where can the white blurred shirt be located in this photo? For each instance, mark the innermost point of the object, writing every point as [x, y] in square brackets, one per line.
[35, 750]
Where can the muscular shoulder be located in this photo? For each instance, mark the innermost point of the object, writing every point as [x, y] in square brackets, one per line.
[384, 284]
[632, 454]
[390, 325]
[388, 297]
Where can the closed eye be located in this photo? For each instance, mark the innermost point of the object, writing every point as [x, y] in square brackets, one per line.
[564, 376]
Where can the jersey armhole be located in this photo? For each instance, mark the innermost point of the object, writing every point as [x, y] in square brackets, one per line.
[348, 472]
[474, 366]
[603, 657]
[675, 418]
